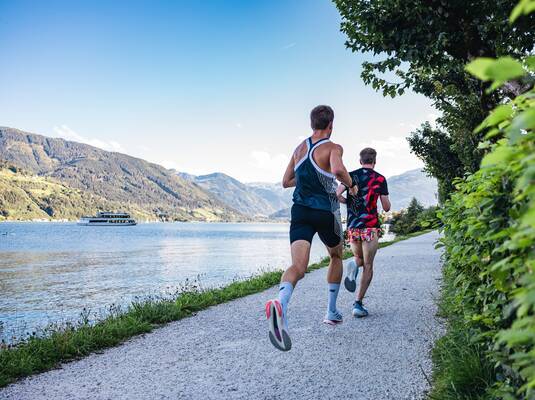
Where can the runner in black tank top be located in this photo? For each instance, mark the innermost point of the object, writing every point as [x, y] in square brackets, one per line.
[314, 168]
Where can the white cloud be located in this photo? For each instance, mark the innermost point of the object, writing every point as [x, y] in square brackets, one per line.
[63, 131]
[391, 147]
[272, 163]
[432, 118]
[239, 125]
[393, 155]
[171, 165]
[289, 46]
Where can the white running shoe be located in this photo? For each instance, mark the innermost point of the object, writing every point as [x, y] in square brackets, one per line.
[278, 327]
[333, 318]
[350, 282]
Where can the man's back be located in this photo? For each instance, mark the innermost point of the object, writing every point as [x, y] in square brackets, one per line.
[362, 208]
[315, 183]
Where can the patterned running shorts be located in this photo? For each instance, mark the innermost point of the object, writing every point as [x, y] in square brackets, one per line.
[363, 234]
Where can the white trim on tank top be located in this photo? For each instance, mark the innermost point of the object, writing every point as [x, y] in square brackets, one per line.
[316, 166]
[302, 160]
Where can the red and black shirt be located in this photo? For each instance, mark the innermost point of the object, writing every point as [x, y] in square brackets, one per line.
[362, 208]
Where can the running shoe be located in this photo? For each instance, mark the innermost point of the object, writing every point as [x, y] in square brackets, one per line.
[359, 310]
[350, 282]
[333, 318]
[278, 326]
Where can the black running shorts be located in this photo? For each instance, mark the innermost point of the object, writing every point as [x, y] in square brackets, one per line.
[306, 222]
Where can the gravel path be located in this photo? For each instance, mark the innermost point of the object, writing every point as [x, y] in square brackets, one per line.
[224, 352]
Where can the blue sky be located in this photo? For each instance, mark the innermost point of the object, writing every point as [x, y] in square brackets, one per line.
[200, 86]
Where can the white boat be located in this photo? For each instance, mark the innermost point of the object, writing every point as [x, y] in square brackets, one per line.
[108, 219]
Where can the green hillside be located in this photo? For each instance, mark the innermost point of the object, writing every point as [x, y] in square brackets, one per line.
[126, 181]
[25, 196]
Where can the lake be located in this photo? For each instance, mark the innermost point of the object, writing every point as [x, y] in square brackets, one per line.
[50, 271]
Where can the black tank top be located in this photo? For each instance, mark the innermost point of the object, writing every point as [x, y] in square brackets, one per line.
[314, 188]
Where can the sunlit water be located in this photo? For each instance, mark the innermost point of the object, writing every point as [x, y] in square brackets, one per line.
[50, 271]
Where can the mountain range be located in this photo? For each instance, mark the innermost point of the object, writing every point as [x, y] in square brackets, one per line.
[271, 200]
[42, 177]
[255, 199]
[119, 178]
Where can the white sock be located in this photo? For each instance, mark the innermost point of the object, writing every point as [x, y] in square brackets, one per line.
[285, 292]
[333, 295]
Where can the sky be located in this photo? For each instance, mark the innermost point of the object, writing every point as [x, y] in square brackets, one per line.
[198, 86]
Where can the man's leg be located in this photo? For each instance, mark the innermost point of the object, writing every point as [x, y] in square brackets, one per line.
[369, 249]
[300, 250]
[276, 310]
[356, 249]
[334, 277]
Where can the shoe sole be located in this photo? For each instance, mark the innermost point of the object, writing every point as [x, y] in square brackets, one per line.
[351, 284]
[331, 322]
[359, 315]
[276, 325]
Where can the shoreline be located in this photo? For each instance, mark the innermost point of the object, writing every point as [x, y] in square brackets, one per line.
[39, 354]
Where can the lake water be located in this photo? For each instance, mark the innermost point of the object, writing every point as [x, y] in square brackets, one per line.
[50, 271]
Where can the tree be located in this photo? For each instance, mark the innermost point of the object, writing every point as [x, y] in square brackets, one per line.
[410, 220]
[424, 45]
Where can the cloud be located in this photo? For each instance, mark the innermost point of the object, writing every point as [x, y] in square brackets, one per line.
[393, 155]
[431, 118]
[239, 125]
[272, 163]
[63, 131]
[390, 147]
[171, 165]
[289, 46]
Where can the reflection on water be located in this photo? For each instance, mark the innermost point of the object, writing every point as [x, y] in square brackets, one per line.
[50, 271]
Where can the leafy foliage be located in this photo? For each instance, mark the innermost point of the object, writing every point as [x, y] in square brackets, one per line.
[489, 226]
[424, 46]
[414, 219]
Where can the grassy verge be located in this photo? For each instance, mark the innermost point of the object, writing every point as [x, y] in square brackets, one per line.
[38, 354]
[461, 369]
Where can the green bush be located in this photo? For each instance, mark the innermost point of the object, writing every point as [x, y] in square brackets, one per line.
[414, 219]
[489, 238]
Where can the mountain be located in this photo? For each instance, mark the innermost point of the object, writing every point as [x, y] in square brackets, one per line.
[25, 196]
[274, 193]
[261, 199]
[254, 200]
[130, 182]
[413, 183]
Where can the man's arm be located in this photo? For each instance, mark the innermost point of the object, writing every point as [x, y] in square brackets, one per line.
[288, 180]
[339, 192]
[340, 171]
[385, 202]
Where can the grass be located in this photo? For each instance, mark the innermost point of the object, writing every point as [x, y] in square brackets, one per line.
[38, 354]
[461, 369]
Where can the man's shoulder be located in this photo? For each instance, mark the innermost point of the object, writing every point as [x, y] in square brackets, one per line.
[380, 175]
[334, 146]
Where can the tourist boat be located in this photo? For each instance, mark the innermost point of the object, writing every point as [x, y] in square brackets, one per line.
[108, 219]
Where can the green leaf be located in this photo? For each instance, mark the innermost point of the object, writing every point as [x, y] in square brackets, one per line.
[504, 69]
[498, 115]
[523, 7]
[479, 67]
[530, 63]
[499, 155]
[524, 120]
